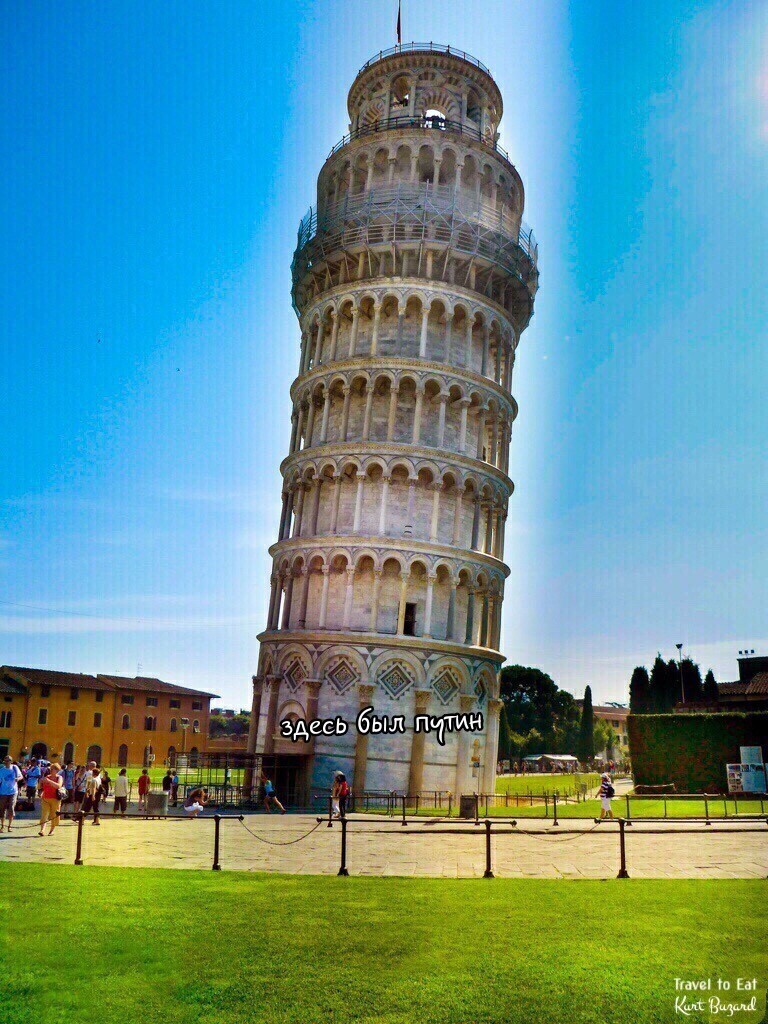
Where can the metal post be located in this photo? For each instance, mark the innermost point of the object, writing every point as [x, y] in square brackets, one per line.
[554, 809]
[706, 811]
[665, 807]
[488, 872]
[450, 804]
[343, 868]
[623, 873]
[477, 809]
[330, 812]
[725, 808]
[79, 852]
[403, 822]
[216, 826]
[546, 805]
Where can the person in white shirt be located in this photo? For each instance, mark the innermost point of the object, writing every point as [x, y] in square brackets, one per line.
[10, 776]
[92, 792]
[121, 792]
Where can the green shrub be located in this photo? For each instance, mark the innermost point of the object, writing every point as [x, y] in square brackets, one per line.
[692, 750]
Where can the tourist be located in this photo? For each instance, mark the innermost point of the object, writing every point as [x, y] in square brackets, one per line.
[168, 782]
[92, 792]
[106, 783]
[342, 789]
[50, 798]
[175, 788]
[270, 796]
[121, 792]
[336, 791]
[32, 778]
[195, 802]
[68, 778]
[144, 782]
[81, 774]
[10, 775]
[606, 794]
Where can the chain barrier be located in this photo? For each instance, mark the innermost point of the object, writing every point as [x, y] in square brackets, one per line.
[290, 842]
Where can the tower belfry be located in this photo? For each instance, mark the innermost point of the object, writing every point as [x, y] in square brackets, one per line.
[413, 279]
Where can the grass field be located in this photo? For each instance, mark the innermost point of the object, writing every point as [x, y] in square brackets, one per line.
[525, 784]
[235, 948]
[653, 808]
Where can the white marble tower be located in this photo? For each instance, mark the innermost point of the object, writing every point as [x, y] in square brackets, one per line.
[413, 279]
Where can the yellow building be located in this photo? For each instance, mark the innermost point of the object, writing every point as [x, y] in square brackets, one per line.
[114, 720]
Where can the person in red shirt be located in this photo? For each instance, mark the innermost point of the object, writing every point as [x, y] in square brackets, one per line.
[50, 801]
[143, 789]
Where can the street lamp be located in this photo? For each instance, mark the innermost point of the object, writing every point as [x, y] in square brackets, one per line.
[680, 661]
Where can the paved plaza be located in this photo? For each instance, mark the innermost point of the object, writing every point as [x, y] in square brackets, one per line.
[533, 849]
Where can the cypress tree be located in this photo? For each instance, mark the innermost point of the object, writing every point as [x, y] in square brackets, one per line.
[711, 693]
[639, 691]
[657, 702]
[585, 749]
[694, 691]
[673, 688]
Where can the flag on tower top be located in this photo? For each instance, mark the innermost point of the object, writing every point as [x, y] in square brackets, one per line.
[399, 31]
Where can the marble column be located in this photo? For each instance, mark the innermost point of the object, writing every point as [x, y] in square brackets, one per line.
[365, 695]
[347, 392]
[428, 604]
[253, 729]
[324, 597]
[368, 409]
[273, 690]
[358, 503]
[490, 755]
[469, 636]
[373, 625]
[402, 603]
[416, 770]
[436, 487]
[326, 412]
[463, 774]
[286, 624]
[375, 332]
[450, 627]
[383, 508]
[348, 597]
[306, 575]
[417, 414]
[353, 332]
[393, 393]
[423, 336]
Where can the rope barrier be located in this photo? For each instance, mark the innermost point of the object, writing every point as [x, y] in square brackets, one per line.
[290, 842]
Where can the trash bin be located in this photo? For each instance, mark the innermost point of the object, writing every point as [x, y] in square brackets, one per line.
[157, 803]
[467, 806]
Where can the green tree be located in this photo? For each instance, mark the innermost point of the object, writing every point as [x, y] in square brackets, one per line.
[711, 692]
[533, 700]
[694, 691]
[640, 691]
[534, 743]
[585, 750]
[658, 702]
[505, 737]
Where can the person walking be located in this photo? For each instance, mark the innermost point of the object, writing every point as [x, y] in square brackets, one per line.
[175, 788]
[144, 782]
[335, 795]
[10, 776]
[168, 783]
[92, 792]
[121, 792]
[68, 779]
[50, 798]
[32, 777]
[606, 794]
[341, 797]
[81, 774]
[270, 796]
[106, 784]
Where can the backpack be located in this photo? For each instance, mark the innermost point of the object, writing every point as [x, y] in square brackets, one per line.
[610, 792]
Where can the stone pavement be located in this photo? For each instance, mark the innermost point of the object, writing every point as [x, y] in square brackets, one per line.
[381, 846]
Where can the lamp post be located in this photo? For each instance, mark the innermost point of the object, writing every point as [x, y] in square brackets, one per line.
[680, 662]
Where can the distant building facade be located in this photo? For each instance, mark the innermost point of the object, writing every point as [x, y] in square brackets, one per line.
[114, 720]
[750, 691]
[616, 716]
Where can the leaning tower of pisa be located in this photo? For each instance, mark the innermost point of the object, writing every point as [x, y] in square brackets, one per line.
[413, 279]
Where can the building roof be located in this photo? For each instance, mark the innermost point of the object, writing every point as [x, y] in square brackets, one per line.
[602, 709]
[10, 674]
[51, 677]
[757, 686]
[147, 684]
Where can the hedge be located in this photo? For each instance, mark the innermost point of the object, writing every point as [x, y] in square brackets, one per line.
[692, 750]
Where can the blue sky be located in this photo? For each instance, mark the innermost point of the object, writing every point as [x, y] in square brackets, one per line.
[158, 158]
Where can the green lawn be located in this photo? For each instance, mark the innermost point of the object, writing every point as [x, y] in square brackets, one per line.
[237, 948]
[539, 784]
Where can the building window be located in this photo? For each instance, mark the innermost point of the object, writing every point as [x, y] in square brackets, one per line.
[45, 691]
[126, 699]
[195, 726]
[99, 696]
[8, 700]
[5, 719]
[151, 702]
[197, 705]
[74, 693]
[126, 722]
[97, 720]
[173, 725]
[150, 724]
[71, 718]
[409, 623]
[175, 702]
[42, 716]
